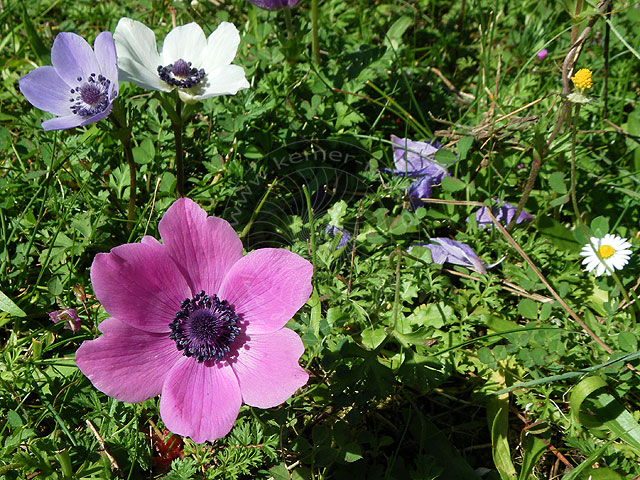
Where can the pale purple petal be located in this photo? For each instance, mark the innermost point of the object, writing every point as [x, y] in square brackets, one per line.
[70, 121]
[127, 363]
[274, 4]
[420, 188]
[45, 90]
[204, 248]
[267, 367]
[200, 400]
[63, 123]
[416, 158]
[503, 213]
[140, 285]
[267, 287]
[73, 58]
[458, 253]
[105, 51]
[345, 237]
[69, 317]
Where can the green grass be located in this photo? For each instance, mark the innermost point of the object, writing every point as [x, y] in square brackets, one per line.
[405, 355]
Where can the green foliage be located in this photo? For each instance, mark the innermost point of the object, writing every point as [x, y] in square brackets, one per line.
[417, 370]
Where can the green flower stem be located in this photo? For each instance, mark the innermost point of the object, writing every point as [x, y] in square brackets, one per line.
[289, 22]
[396, 299]
[247, 227]
[177, 133]
[576, 210]
[314, 29]
[123, 132]
[574, 200]
[312, 232]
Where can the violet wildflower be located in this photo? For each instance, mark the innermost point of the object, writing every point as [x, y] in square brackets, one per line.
[345, 237]
[274, 4]
[199, 67]
[194, 320]
[69, 317]
[81, 85]
[415, 159]
[504, 214]
[444, 250]
[542, 53]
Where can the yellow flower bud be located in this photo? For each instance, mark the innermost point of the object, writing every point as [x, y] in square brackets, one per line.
[582, 79]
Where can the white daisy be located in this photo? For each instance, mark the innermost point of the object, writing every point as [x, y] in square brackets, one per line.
[197, 66]
[612, 251]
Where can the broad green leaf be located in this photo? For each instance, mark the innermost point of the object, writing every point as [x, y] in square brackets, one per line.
[557, 233]
[280, 472]
[7, 305]
[528, 308]
[464, 144]
[556, 182]
[451, 184]
[590, 460]
[498, 420]
[600, 226]
[532, 450]
[606, 411]
[393, 38]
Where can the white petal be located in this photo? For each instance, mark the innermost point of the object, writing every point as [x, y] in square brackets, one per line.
[222, 46]
[138, 57]
[592, 265]
[225, 80]
[186, 42]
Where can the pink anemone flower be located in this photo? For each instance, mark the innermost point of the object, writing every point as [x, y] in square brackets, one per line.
[194, 320]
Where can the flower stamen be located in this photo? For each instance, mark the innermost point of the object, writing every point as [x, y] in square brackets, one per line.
[582, 79]
[181, 74]
[204, 327]
[606, 251]
[92, 96]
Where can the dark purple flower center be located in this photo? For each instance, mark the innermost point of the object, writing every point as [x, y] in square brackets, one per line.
[181, 74]
[91, 96]
[205, 327]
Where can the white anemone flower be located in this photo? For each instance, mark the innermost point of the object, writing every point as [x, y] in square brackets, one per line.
[199, 67]
[606, 254]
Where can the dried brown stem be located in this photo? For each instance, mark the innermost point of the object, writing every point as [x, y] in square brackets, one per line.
[567, 68]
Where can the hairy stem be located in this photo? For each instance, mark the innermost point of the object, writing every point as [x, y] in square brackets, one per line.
[177, 133]
[314, 29]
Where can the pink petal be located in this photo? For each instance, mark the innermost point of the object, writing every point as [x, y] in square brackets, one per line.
[203, 247]
[267, 368]
[200, 400]
[267, 287]
[140, 285]
[126, 363]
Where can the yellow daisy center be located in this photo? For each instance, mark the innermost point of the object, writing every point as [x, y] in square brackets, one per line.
[606, 251]
[582, 79]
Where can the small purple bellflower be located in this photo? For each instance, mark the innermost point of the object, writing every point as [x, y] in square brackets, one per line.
[69, 316]
[447, 250]
[274, 4]
[345, 237]
[415, 159]
[504, 214]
